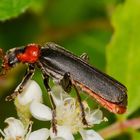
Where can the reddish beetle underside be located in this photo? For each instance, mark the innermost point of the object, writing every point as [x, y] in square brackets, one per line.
[112, 107]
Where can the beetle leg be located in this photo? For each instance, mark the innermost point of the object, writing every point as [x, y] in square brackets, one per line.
[66, 82]
[46, 83]
[29, 73]
[85, 57]
[84, 121]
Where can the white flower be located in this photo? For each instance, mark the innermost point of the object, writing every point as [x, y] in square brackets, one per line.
[63, 133]
[17, 131]
[68, 116]
[41, 134]
[44, 112]
[90, 135]
[32, 92]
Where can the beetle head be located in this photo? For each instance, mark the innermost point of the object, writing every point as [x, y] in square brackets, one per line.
[9, 59]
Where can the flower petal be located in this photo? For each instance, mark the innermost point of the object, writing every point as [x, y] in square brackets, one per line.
[63, 133]
[41, 134]
[58, 138]
[58, 95]
[40, 111]
[90, 135]
[96, 117]
[31, 92]
[15, 128]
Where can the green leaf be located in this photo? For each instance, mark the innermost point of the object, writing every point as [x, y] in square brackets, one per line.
[123, 52]
[12, 8]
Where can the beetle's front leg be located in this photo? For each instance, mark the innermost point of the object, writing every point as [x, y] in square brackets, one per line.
[29, 73]
[66, 84]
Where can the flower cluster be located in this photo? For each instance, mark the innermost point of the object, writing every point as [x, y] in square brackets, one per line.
[17, 131]
[68, 117]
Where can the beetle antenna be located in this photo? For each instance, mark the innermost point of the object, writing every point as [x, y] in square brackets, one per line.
[1, 53]
[2, 60]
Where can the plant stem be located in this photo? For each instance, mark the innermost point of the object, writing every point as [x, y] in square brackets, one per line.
[120, 127]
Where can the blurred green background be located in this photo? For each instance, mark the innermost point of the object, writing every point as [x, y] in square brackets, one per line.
[107, 30]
